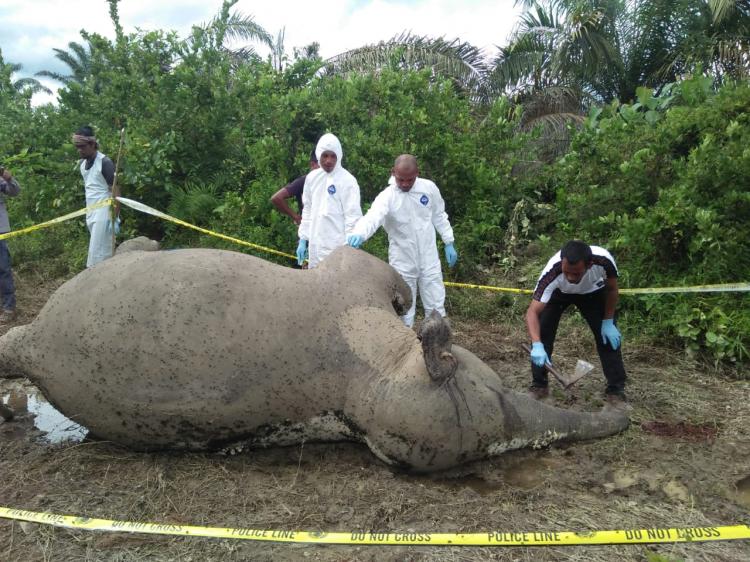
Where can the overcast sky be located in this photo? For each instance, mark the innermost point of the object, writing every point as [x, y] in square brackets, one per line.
[31, 28]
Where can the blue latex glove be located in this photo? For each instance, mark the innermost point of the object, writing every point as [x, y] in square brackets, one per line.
[451, 255]
[117, 226]
[301, 251]
[538, 354]
[354, 240]
[611, 333]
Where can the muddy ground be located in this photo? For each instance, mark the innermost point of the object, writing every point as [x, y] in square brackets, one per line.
[684, 462]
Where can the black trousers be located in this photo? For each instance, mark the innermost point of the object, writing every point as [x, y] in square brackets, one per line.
[591, 307]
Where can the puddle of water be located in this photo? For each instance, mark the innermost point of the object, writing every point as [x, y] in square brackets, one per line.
[55, 426]
[743, 491]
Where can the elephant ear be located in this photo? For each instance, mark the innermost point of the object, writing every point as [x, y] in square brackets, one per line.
[377, 337]
[436, 337]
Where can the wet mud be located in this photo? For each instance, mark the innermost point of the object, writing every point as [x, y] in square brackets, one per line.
[32, 414]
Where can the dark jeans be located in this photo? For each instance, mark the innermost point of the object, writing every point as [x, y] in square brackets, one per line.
[591, 307]
[7, 288]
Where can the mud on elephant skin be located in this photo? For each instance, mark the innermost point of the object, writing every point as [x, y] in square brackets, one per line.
[200, 349]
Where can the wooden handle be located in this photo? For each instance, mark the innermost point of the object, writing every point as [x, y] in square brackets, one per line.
[549, 366]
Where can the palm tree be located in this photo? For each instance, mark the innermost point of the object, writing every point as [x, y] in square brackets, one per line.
[26, 85]
[722, 45]
[723, 9]
[226, 27]
[78, 58]
[566, 55]
[277, 51]
[454, 59]
[610, 47]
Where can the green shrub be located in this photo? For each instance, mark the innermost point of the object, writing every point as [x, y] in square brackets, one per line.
[667, 195]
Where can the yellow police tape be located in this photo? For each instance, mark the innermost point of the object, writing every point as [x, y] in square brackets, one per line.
[716, 288]
[488, 288]
[151, 211]
[411, 538]
[58, 220]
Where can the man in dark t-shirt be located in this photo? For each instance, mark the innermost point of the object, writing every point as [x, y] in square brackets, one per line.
[293, 189]
[586, 277]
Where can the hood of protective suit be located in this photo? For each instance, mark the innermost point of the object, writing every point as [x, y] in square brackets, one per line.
[330, 142]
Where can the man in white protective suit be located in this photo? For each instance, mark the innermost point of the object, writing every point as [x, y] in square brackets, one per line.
[330, 200]
[411, 209]
[98, 174]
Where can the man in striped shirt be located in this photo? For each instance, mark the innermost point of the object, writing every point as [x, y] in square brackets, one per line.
[584, 276]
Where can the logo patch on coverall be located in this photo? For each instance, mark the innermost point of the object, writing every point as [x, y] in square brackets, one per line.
[424, 200]
[331, 189]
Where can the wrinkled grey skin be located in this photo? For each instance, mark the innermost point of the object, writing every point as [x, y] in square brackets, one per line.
[195, 349]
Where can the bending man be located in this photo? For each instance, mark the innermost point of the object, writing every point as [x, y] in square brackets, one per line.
[411, 209]
[330, 204]
[585, 276]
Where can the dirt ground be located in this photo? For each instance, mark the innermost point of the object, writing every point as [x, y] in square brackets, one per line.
[684, 462]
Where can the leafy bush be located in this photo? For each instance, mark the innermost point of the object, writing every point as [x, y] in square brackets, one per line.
[663, 185]
[210, 137]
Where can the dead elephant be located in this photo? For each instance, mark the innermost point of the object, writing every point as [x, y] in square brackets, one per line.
[196, 349]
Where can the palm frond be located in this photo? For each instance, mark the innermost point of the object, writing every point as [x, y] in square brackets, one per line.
[554, 113]
[77, 59]
[69, 59]
[722, 10]
[30, 85]
[527, 61]
[241, 27]
[54, 75]
[583, 47]
[522, 63]
[81, 52]
[734, 53]
[243, 55]
[453, 59]
[25, 85]
[554, 104]
[277, 50]
[194, 202]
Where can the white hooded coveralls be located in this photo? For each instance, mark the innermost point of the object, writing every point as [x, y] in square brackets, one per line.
[410, 219]
[101, 244]
[330, 204]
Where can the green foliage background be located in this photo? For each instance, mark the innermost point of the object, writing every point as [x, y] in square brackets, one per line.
[661, 182]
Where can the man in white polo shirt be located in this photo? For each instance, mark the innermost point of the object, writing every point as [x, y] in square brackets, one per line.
[584, 276]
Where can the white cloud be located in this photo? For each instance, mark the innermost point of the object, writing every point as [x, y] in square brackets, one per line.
[33, 29]
[343, 25]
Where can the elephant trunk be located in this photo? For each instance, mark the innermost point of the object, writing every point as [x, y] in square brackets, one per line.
[540, 424]
[11, 365]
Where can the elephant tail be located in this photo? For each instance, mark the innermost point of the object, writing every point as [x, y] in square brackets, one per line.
[12, 362]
